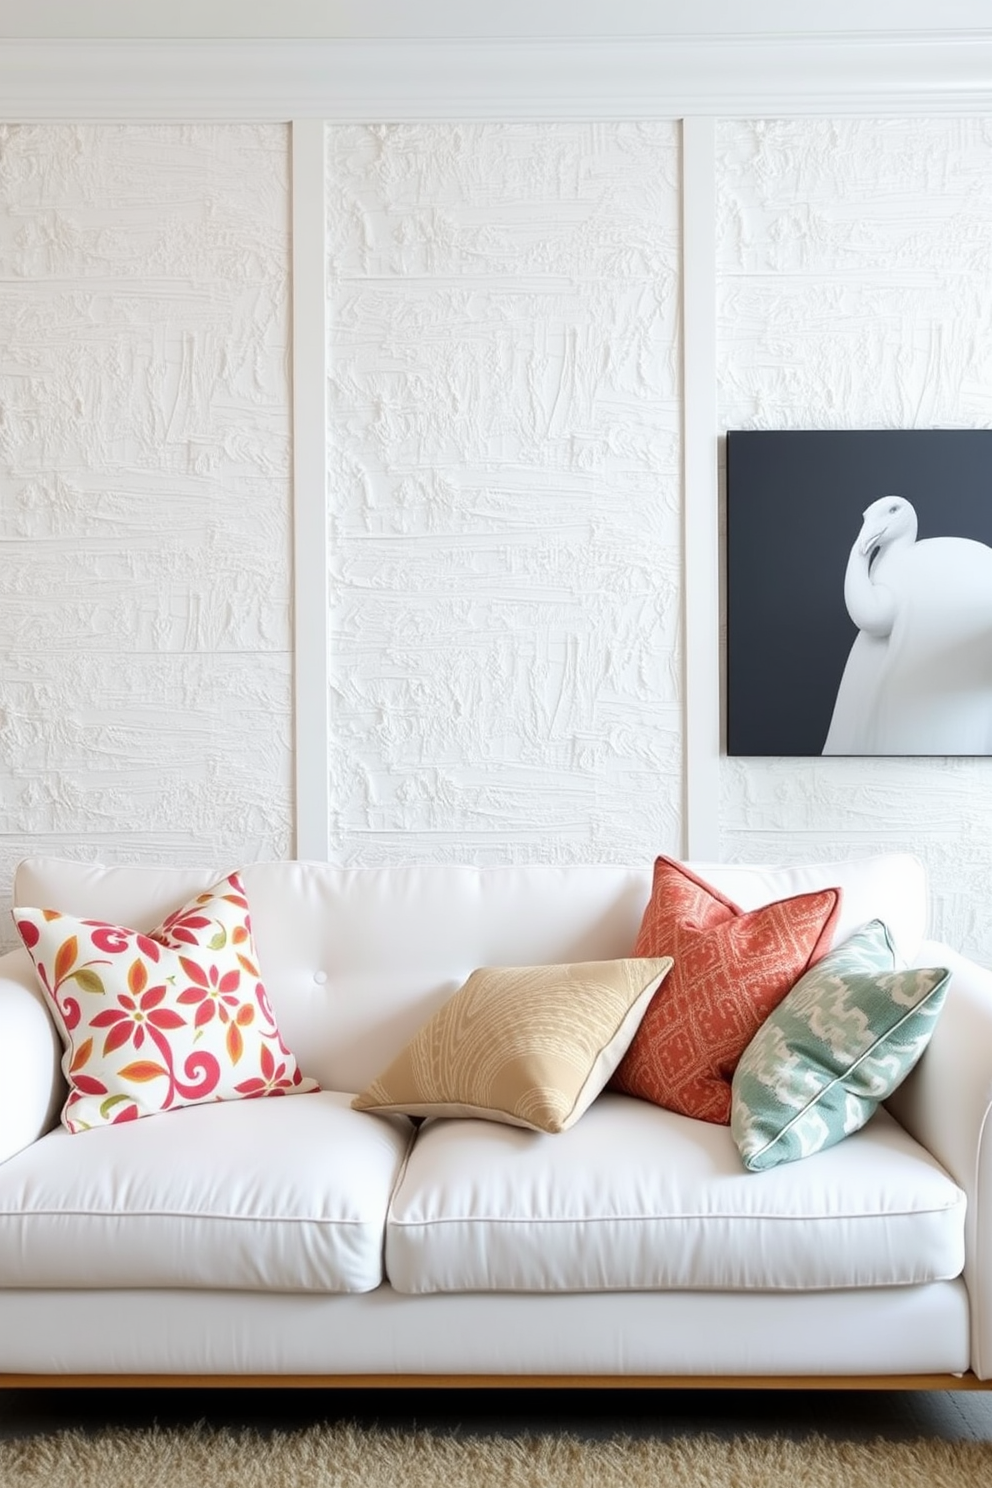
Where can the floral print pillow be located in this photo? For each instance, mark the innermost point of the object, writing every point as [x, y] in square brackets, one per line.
[152, 1022]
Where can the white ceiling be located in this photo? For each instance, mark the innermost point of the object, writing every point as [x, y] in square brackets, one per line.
[523, 19]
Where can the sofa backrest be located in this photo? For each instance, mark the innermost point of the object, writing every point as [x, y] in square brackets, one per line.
[356, 959]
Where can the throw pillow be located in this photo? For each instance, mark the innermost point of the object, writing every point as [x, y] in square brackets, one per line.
[527, 1045]
[152, 1022]
[731, 969]
[847, 1034]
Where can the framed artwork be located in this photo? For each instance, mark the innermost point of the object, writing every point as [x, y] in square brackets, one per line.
[859, 592]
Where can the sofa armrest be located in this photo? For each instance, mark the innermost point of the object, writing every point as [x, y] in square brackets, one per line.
[945, 1104]
[32, 1087]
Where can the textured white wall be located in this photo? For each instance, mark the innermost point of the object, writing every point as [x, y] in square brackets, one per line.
[145, 670]
[503, 420]
[855, 269]
[503, 424]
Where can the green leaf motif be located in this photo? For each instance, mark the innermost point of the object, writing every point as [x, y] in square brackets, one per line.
[112, 1100]
[89, 981]
[219, 941]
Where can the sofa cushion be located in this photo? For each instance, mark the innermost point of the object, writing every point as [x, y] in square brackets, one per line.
[636, 1197]
[172, 1017]
[347, 997]
[732, 967]
[287, 1195]
[883, 886]
[845, 1037]
[529, 1045]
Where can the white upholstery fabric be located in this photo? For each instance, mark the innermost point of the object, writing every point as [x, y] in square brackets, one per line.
[356, 960]
[283, 1194]
[887, 886]
[946, 1103]
[637, 1197]
[889, 1330]
[227, 1211]
[31, 1089]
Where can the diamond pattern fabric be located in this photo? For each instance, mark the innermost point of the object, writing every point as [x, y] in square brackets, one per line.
[732, 968]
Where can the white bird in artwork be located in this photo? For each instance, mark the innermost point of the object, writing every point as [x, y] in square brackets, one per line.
[918, 679]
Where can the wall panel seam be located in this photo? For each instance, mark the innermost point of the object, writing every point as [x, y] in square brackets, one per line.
[700, 516]
[310, 583]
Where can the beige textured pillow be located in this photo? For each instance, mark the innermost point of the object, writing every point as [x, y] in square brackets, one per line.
[528, 1045]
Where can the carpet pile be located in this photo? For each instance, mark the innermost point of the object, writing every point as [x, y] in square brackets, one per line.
[348, 1456]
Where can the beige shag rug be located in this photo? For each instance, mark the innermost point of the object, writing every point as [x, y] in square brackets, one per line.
[344, 1456]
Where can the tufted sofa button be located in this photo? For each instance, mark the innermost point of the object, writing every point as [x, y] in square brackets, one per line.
[320, 977]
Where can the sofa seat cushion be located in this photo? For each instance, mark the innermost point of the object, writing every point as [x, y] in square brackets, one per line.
[637, 1197]
[286, 1196]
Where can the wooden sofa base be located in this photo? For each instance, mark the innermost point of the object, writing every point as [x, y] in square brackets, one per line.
[493, 1382]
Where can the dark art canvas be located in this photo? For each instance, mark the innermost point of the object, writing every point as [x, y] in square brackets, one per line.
[859, 592]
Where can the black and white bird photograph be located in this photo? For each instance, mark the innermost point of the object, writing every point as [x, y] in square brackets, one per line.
[859, 592]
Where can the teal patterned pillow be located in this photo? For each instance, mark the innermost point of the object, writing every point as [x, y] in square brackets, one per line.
[846, 1035]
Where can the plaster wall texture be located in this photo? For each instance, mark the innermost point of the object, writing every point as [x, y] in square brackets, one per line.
[854, 269]
[504, 437]
[503, 429]
[145, 668]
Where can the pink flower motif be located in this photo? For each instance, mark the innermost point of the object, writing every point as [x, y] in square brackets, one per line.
[210, 993]
[183, 927]
[187, 924]
[137, 1012]
[114, 939]
[213, 996]
[274, 1080]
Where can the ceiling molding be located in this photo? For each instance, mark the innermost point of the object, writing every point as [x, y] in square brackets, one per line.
[510, 19]
[857, 73]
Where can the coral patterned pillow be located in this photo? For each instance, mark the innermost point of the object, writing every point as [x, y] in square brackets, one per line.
[732, 968]
[153, 1022]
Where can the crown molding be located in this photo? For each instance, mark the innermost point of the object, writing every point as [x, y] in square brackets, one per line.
[395, 80]
[512, 20]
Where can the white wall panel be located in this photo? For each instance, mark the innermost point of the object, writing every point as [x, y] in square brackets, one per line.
[503, 423]
[145, 671]
[854, 273]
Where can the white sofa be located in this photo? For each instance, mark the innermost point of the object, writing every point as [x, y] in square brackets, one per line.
[300, 1239]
